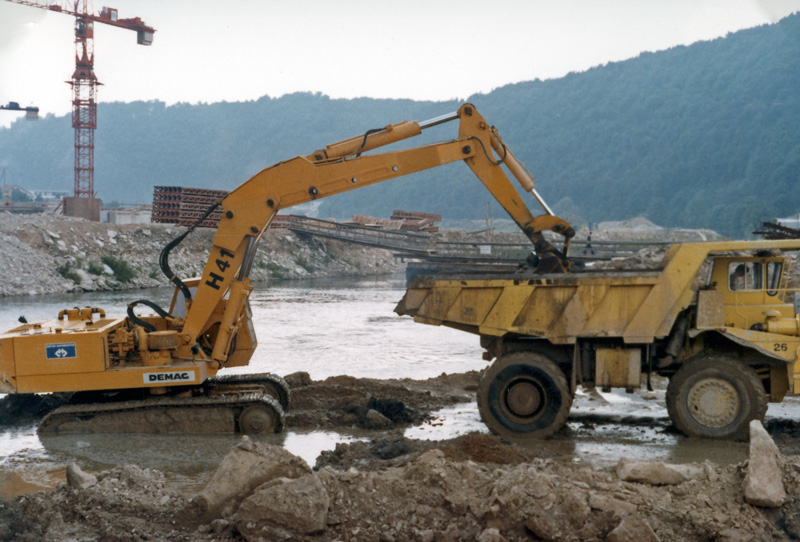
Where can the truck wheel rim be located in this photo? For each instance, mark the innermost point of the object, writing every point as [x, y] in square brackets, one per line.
[523, 398]
[713, 402]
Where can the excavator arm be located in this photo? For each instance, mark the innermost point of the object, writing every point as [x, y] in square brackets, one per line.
[340, 167]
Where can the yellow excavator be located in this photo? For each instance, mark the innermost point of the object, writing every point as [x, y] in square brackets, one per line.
[158, 372]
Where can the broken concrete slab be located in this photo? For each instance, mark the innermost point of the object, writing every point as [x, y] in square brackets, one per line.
[246, 467]
[656, 473]
[763, 481]
[297, 505]
[79, 479]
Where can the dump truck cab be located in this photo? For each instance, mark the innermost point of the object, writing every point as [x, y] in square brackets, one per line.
[750, 286]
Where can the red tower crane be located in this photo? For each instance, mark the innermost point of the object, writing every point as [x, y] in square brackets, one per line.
[84, 91]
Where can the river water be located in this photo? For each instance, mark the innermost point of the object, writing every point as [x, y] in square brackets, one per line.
[333, 327]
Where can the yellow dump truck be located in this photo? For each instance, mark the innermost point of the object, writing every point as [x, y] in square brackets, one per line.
[728, 341]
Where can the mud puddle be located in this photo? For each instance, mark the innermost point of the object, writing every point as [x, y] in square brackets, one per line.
[34, 462]
[605, 427]
[602, 428]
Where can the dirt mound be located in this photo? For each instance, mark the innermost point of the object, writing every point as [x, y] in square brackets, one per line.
[345, 401]
[482, 448]
[473, 487]
[370, 455]
[126, 503]
[644, 259]
[49, 253]
[380, 453]
[641, 229]
[338, 401]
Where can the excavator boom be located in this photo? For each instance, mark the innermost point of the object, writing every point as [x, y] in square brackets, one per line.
[340, 167]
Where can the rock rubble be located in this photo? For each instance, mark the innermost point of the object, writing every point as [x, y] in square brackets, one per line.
[263, 493]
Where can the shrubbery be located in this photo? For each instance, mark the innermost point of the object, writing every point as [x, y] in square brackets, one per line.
[67, 272]
[122, 271]
[95, 268]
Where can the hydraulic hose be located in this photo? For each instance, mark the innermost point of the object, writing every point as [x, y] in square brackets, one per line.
[163, 263]
[163, 259]
[138, 321]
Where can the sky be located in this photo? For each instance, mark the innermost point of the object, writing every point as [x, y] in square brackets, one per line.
[240, 50]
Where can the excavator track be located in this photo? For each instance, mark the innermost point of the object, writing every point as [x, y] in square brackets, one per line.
[247, 413]
[268, 383]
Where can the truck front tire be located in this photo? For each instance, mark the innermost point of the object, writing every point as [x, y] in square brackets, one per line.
[524, 395]
[715, 397]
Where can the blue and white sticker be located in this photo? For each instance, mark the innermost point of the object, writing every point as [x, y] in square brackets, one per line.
[61, 351]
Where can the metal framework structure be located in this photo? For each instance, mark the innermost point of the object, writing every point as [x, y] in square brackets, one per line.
[84, 82]
[84, 105]
[774, 230]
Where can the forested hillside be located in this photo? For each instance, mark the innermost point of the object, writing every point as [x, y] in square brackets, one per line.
[698, 136]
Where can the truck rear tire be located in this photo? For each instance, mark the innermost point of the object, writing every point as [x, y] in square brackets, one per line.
[524, 395]
[716, 397]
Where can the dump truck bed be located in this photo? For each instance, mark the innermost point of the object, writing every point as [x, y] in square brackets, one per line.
[636, 305]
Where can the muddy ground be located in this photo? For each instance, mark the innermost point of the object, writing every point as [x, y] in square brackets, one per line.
[392, 488]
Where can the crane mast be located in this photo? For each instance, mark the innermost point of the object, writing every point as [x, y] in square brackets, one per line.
[84, 103]
[84, 84]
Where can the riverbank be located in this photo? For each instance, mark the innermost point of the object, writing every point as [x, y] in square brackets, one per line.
[48, 253]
